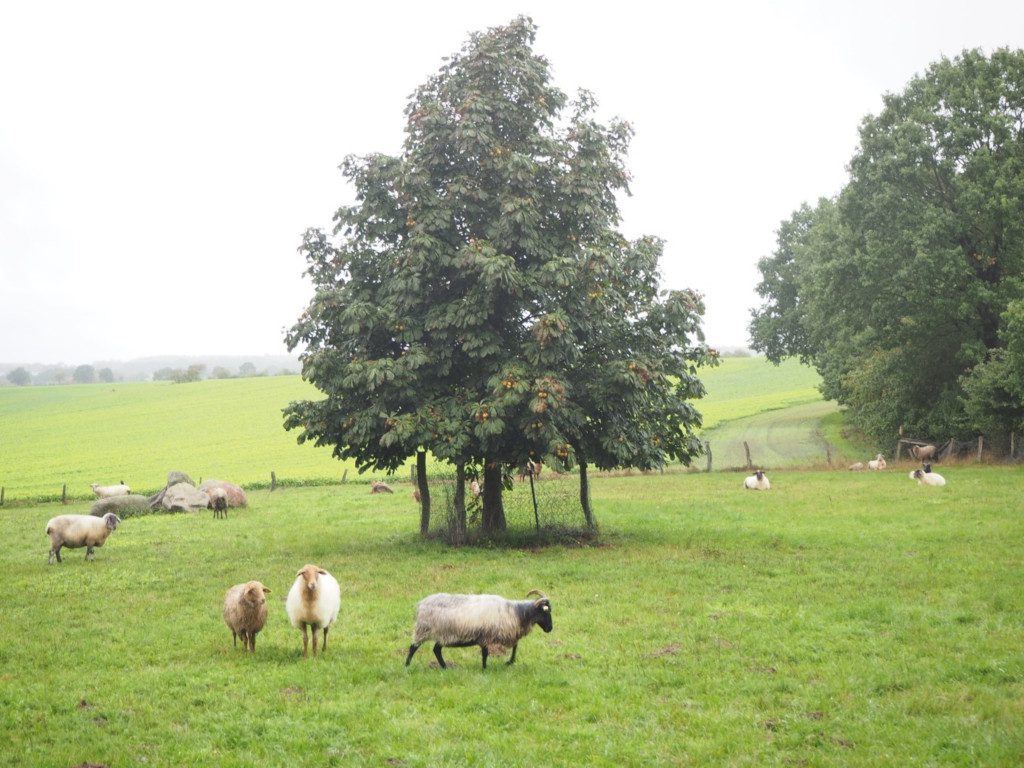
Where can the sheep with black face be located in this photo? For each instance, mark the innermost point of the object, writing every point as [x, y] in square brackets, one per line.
[459, 621]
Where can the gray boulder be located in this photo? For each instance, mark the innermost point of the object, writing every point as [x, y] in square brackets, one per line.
[183, 497]
[122, 506]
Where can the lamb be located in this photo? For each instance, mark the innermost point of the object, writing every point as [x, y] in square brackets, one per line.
[313, 601]
[877, 463]
[458, 621]
[928, 478]
[74, 531]
[106, 491]
[757, 482]
[218, 502]
[924, 452]
[245, 612]
[380, 487]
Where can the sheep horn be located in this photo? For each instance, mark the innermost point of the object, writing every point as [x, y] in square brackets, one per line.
[538, 593]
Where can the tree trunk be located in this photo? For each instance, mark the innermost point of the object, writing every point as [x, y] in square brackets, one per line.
[588, 515]
[457, 530]
[493, 510]
[424, 489]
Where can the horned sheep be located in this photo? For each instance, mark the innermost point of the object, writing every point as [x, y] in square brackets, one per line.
[313, 603]
[459, 621]
[757, 482]
[245, 612]
[74, 531]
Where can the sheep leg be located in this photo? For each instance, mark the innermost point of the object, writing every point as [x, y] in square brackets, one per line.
[440, 658]
[55, 555]
[252, 642]
[315, 630]
[412, 650]
[305, 641]
[90, 553]
[324, 646]
[234, 639]
[512, 661]
[483, 653]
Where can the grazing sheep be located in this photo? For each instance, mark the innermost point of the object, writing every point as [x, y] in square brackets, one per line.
[379, 487]
[74, 531]
[106, 491]
[757, 482]
[218, 502]
[313, 602]
[877, 463]
[924, 452]
[928, 478]
[857, 467]
[245, 612]
[530, 468]
[458, 621]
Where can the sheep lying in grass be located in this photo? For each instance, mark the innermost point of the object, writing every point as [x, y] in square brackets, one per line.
[74, 531]
[928, 478]
[877, 463]
[313, 602]
[757, 482]
[856, 467]
[378, 486]
[245, 612]
[106, 491]
[459, 621]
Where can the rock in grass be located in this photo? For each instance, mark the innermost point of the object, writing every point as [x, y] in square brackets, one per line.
[122, 506]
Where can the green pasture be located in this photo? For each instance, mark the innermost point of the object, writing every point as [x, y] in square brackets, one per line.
[836, 620]
[232, 429]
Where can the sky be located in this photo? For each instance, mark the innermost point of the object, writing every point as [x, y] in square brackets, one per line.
[160, 161]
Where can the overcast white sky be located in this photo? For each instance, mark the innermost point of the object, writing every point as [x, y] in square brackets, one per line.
[159, 161]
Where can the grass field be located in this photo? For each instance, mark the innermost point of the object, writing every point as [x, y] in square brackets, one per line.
[232, 429]
[838, 620]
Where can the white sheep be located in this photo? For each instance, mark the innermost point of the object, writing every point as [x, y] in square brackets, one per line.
[74, 531]
[245, 612]
[106, 491]
[856, 466]
[475, 488]
[877, 463]
[928, 478]
[757, 482]
[458, 621]
[313, 602]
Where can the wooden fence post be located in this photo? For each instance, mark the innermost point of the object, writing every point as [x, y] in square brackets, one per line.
[273, 481]
[344, 476]
[707, 450]
[750, 464]
[2, 489]
[828, 454]
[64, 494]
[981, 445]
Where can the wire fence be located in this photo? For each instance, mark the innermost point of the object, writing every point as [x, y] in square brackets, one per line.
[535, 510]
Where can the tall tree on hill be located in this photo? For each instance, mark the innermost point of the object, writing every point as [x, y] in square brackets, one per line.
[896, 290]
[474, 284]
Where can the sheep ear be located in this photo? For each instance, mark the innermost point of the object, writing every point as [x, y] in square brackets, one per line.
[266, 591]
[321, 571]
[299, 572]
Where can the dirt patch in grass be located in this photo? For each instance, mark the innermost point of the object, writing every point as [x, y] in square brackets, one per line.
[669, 650]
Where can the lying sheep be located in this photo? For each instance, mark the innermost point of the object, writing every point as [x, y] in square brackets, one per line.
[757, 482]
[74, 531]
[928, 478]
[313, 602]
[856, 467]
[218, 502]
[245, 612]
[380, 487]
[459, 621]
[877, 463]
[106, 491]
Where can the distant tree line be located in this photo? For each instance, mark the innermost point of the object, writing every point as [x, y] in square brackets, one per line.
[88, 374]
[906, 290]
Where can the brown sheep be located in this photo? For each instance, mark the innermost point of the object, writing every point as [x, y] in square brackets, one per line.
[245, 612]
[924, 452]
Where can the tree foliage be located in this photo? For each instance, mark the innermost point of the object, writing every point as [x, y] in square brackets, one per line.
[477, 301]
[19, 377]
[896, 289]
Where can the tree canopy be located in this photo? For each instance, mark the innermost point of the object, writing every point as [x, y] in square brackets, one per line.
[477, 300]
[897, 289]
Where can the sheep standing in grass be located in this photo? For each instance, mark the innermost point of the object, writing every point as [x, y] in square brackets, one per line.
[313, 603]
[245, 612]
[877, 463]
[924, 452]
[106, 491]
[928, 478]
[74, 531]
[757, 482]
[218, 502]
[459, 621]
